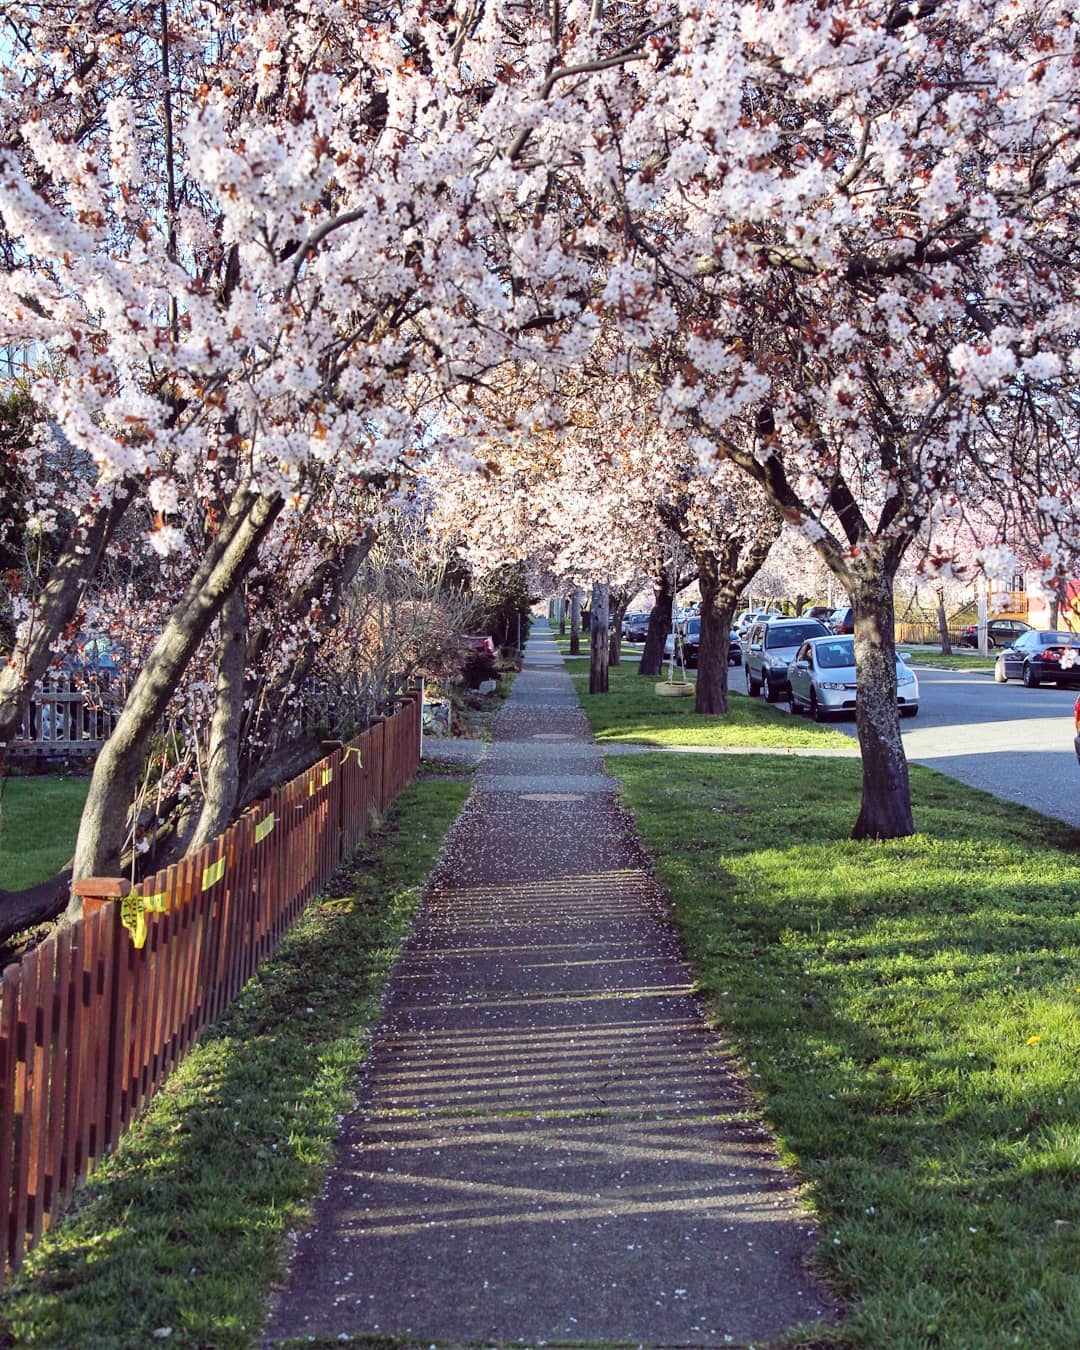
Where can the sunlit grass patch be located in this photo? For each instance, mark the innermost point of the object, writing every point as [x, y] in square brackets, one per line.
[39, 819]
[631, 710]
[956, 660]
[182, 1229]
[909, 1013]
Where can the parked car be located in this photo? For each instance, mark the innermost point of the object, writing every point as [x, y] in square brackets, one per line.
[842, 620]
[690, 632]
[820, 612]
[734, 650]
[746, 620]
[771, 646]
[635, 627]
[480, 642]
[821, 679]
[999, 632]
[1035, 658]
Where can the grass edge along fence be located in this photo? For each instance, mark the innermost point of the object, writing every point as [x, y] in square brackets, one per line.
[93, 1020]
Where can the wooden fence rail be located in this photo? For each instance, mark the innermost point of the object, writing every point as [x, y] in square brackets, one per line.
[91, 1024]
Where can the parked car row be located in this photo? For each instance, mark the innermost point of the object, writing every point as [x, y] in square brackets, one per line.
[813, 667]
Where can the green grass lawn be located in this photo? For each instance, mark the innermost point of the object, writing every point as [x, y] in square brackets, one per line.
[183, 1228]
[631, 710]
[923, 656]
[39, 818]
[908, 1014]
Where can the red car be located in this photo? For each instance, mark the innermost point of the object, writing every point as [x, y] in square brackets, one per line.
[480, 643]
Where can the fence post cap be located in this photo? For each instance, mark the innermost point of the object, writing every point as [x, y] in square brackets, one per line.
[101, 888]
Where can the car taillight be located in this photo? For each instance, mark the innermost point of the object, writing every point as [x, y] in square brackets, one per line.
[1051, 654]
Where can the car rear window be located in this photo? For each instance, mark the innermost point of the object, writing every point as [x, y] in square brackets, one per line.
[791, 634]
[1059, 640]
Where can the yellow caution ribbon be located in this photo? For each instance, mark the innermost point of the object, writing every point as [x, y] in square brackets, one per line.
[213, 874]
[264, 827]
[353, 750]
[133, 917]
[328, 776]
[134, 909]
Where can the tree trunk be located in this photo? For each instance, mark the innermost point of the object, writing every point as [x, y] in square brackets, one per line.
[943, 622]
[103, 828]
[652, 657]
[618, 611]
[598, 640]
[723, 574]
[886, 794]
[223, 756]
[562, 616]
[717, 610]
[575, 622]
[55, 609]
[323, 590]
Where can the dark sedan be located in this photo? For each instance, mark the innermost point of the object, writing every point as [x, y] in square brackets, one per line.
[1040, 658]
[999, 632]
[690, 634]
[635, 627]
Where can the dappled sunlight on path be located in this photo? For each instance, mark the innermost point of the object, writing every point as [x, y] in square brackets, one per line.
[550, 1145]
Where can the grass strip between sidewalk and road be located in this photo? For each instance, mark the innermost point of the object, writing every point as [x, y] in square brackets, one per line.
[177, 1238]
[908, 1014]
[929, 656]
[633, 711]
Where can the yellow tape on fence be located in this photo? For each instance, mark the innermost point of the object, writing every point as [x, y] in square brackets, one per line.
[134, 909]
[353, 750]
[264, 827]
[328, 776]
[213, 874]
[133, 917]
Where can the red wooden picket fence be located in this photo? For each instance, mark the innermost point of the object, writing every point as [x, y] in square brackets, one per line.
[91, 1024]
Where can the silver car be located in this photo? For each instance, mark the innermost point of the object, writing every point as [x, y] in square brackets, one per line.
[822, 679]
[772, 644]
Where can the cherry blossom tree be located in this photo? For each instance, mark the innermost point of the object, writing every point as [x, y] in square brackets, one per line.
[860, 225]
[729, 526]
[254, 242]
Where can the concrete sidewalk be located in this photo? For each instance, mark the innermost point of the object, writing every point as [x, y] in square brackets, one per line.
[550, 1146]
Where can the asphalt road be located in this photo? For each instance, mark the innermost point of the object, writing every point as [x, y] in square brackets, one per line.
[1014, 742]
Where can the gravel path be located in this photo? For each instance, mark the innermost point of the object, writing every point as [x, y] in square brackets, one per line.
[549, 1144]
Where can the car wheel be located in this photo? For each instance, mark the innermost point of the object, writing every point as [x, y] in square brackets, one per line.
[768, 691]
[909, 710]
[753, 687]
[1000, 676]
[1031, 680]
[816, 711]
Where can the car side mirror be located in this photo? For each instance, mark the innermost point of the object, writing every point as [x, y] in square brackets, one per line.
[906, 658]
